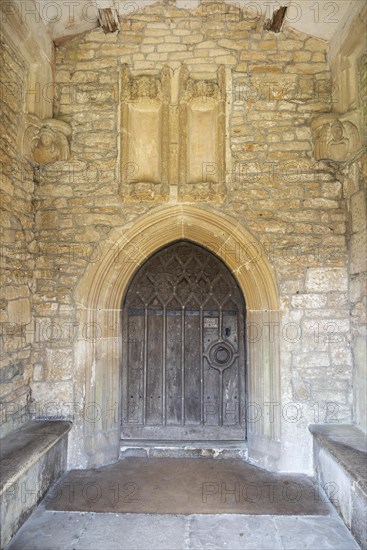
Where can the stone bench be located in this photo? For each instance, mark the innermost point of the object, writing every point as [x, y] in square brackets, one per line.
[31, 459]
[340, 461]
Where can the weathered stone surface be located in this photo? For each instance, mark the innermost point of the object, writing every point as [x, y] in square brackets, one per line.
[326, 279]
[358, 211]
[309, 300]
[340, 454]
[58, 364]
[360, 379]
[31, 458]
[19, 311]
[270, 184]
[358, 254]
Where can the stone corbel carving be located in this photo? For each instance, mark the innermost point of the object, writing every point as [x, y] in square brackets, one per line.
[46, 141]
[336, 137]
[145, 104]
[202, 136]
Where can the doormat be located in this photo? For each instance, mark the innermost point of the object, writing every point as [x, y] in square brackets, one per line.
[186, 486]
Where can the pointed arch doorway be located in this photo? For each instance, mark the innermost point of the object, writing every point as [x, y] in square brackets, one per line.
[183, 360]
[99, 296]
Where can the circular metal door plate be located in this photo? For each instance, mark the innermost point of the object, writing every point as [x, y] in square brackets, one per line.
[221, 355]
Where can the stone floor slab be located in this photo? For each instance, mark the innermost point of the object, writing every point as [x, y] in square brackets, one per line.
[233, 533]
[185, 486]
[314, 533]
[47, 530]
[134, 531]
[51, 531]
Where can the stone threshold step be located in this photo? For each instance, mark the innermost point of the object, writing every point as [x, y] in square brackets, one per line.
[183, 449]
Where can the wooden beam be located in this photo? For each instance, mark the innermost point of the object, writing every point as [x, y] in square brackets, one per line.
[275, 23]
[108, 19]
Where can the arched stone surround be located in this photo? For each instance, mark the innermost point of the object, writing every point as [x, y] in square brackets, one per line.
[99, 296]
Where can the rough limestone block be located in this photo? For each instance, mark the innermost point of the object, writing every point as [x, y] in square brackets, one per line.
[19, 311]
[360, 380]
[326, 279]
[58, 364]
[358, 210]
[358, 252]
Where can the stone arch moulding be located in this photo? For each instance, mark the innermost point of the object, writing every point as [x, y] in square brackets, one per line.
[99, 296]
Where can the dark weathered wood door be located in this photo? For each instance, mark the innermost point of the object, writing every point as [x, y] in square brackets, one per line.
[183, 363]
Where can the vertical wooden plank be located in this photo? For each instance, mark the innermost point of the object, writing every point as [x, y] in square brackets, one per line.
[173, 368]
[192, 368]
[154, 370]
[231, 382]
[220, 398]
[231, 395]
[145, 365]
[211, 376]
[164, 366]
[183, 366]
[133, 409]
[202, 418]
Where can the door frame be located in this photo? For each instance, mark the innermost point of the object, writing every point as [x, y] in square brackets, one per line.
[99, 295]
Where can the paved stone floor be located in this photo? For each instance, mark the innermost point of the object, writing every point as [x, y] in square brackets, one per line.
[186, 486]
[49, 530]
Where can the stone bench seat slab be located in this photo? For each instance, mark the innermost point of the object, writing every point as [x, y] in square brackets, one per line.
[340, 457]
[31, 459]
[348, 445]
[20, 449]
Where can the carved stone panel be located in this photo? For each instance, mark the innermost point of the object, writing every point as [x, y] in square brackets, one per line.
[172, 134]
[144, 148]
[336, 137]
[202, 137]
[144, 136]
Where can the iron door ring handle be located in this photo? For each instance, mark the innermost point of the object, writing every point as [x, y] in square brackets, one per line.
[221, 355]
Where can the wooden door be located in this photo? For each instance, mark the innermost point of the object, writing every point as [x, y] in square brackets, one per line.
[183, 366]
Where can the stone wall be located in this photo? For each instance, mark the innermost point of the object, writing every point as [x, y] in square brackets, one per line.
[355, 183]
[275, 85]
[358, 261]
[17, 49]
[17, 219]
[266, 90]
[349, 69]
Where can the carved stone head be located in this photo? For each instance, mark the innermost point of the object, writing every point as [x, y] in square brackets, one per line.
[336, 137]
[46, 141]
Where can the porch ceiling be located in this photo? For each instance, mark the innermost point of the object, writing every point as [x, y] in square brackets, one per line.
[322, 19]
